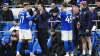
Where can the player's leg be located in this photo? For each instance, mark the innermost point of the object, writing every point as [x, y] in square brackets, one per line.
[65, 39]
[83, 46]
[28, 36]
[71, 45]
[19, 42]
[30, 46]
[90, 45]
[18, 47]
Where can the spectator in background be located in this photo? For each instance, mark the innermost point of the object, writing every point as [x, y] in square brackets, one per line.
[44, 2]
[30, 10]
[37, 11]
[14, 41]
[85, 28]
[6, 13]
[1, 24]
[1, 2]
[14, 37]
[15, 26]
[93, 18]
[54, 7]
[36, 7]
[1, 48]
[57, 44]
[96, 12]
[53, 18]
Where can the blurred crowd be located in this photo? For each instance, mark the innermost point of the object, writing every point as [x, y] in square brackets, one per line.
[17, 2]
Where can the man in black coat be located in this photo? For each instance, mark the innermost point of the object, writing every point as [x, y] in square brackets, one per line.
[97, 13]
[85, 27]
[75, 21]
[54, 7]
[6, 13]
[42, 27]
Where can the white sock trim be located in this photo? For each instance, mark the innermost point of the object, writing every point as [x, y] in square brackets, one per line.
[31, 52]
[83, 52]
[90, 51]
[18, 52]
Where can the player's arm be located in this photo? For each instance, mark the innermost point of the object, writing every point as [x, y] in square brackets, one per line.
[29, 17]
[59, 16]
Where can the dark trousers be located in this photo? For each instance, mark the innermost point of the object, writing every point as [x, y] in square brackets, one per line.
[13, 48]
[8, 49]
[42, 38]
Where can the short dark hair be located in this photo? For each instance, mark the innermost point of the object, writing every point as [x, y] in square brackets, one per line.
[42, 5]
[25, 4]
[5, 5]
[65, 4]
[16, 20]
[53, 2]
[55, 11]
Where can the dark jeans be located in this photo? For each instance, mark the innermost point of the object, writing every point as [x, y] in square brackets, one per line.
[7, 49]
[42, 38]
[1, 50]
[13, 48]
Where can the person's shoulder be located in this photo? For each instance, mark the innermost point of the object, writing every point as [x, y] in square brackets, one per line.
[17, 26]
[11, 28]
[57, 8]
[88, 12]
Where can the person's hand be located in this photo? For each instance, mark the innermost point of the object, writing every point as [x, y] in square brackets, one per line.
[15, 39]
[87, 30]
[78, 26]
[41, 12]
[35, 19]
[35, 12]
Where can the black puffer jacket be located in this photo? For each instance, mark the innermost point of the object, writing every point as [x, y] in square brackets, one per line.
[85, 19]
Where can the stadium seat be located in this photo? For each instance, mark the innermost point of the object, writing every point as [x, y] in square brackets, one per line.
[10, 24]
[5, 28]
[6, 33]
[6, 37]
[6, 40]
[37, 48]
[49, 41]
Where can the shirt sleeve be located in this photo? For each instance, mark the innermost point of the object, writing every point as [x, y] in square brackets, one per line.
[29, 17]
[59, 16]
[11, 30]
